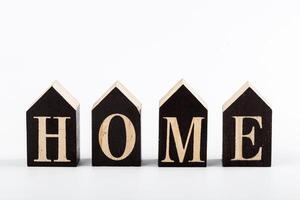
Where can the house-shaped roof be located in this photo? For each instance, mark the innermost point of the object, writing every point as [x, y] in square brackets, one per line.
[63, 93]
[175, 88]
[124, 91]
[239, 93]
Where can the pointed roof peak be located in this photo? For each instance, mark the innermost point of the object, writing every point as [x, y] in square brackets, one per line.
[174, 89]
[181, 82]
[118, 84]
[241, 91]
[124, 91]
[63, 93]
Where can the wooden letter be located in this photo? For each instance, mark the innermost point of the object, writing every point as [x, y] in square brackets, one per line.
[53, 129]
[116, 129]
[196, 126]
[130, 137]
[182, 128]
[239, 136]
[42, 145]
[247, 129]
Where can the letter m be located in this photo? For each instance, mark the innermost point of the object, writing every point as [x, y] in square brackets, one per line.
[181, 148]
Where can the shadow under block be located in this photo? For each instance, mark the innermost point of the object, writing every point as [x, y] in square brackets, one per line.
[116, 129]
[53, 129]
[182, 129]
[247, 130]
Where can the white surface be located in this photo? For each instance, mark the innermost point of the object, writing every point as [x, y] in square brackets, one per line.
[214, 45]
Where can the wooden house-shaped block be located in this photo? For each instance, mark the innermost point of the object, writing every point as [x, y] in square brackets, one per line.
[53, 129]
[247, 130]
[116, 129]
[182, 128]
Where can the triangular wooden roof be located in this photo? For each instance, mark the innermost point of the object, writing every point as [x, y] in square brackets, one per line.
[124, 91]
[239, 93]
[64, 93]
[174, 90]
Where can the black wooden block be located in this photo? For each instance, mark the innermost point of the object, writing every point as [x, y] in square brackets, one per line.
[247, 130]
[182, 128]
[116, 129]
[53, 129]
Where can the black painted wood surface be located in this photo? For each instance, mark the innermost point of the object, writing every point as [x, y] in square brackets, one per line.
[182, 105]
[248, 104]
[52, 104]
[116, 102]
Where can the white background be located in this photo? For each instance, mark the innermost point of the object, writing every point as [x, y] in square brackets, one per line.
[214, 45]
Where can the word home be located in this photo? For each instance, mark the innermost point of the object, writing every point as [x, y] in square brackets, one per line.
[53, 129]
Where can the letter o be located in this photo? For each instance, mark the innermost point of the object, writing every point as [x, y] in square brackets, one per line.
[130, 137]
